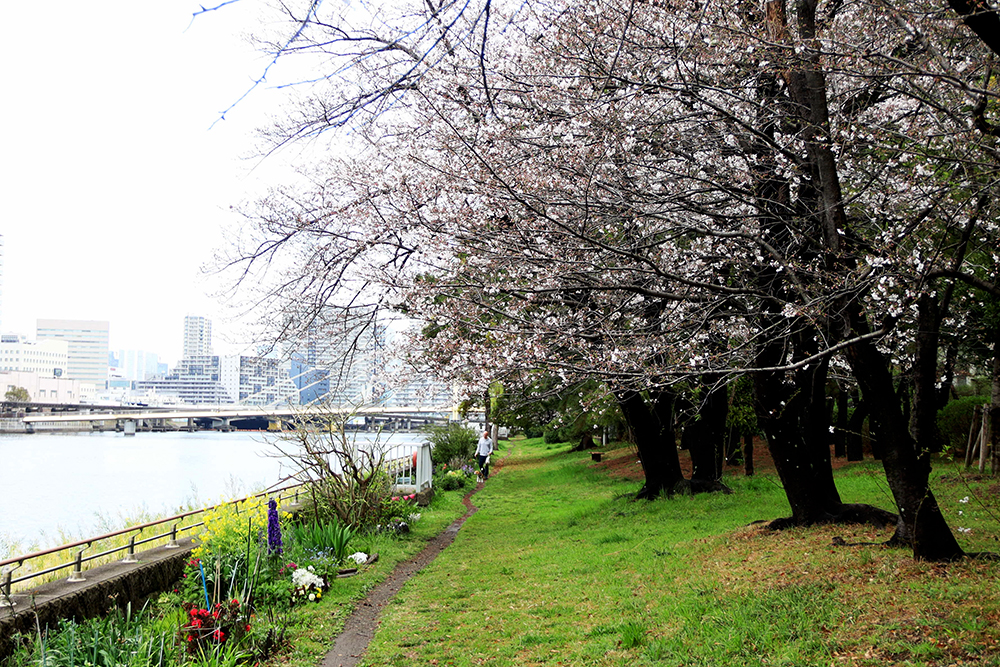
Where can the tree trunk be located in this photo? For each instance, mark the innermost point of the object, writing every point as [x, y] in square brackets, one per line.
[993, 420]
[855, 444]
[706, 436]
[748, 455]
[784, 413]
[923, 417]
[653, 430]
[840, 432]
[907, 469]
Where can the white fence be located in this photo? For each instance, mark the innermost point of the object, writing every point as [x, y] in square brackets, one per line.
[411, 468]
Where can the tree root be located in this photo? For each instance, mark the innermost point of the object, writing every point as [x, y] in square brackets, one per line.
[854, 513]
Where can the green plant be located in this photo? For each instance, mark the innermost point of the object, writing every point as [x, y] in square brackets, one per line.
[955, 419]
[207, 629]
[347, 480]
[451, 441]
[332, 538]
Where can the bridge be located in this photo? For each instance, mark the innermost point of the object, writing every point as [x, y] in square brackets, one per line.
[130, 417]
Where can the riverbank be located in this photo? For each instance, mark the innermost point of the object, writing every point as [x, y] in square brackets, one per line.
[560, 566]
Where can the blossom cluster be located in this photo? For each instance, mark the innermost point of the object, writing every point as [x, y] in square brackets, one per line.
[214, 626]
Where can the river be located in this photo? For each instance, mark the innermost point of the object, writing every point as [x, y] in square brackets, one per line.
[57, 487]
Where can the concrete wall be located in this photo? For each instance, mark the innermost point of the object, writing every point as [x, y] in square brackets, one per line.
[106, 586]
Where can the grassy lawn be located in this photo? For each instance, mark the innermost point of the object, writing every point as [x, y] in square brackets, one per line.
[559, 566]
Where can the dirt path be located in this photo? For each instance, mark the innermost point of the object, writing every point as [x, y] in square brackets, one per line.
[361, 624]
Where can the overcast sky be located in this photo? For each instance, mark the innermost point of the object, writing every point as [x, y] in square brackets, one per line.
[116, 184]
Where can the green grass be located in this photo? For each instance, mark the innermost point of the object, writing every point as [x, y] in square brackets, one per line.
[560, 566]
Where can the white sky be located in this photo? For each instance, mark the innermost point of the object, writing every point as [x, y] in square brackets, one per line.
[114, 189]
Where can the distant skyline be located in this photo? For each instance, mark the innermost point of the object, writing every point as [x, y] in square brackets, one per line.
[114, 191]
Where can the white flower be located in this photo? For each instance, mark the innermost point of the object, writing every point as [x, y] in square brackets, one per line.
[303, 578]
[312, 597]
[964, 500]
[359, 557]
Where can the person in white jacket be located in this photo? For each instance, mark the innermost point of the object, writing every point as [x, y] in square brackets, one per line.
[483, 450]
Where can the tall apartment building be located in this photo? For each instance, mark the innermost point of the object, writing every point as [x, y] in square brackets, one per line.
[211, 379]
[197, 336]
[87, 340]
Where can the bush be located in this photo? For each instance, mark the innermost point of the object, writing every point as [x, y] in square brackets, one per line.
[451, 441]
[556, 435]
[955, 419]
[229, 543]
[533, 431]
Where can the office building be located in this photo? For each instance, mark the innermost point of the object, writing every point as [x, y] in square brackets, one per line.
[88, 348]
[46, 358]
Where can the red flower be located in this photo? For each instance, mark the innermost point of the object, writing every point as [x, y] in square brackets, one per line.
[219, 636]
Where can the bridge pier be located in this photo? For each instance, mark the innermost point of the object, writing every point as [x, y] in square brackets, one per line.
[129, 426]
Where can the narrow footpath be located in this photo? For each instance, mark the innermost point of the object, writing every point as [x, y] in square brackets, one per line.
[361, 625]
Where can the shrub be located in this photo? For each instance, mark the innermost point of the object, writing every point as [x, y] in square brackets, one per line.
[451, 441]
[229, 543]
[556, 435]
[955, 419]
[534, 431]
[347, 482]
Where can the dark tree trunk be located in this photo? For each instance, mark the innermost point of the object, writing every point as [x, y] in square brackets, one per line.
[785, 413]
[706, 435]
[948, 379]
[653, 430]
[748, 455]
[840, 432]
[907, 469]
[923, 417]
[994, 408]
[855, 445]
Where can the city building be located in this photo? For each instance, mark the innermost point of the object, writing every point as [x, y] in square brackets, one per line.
[42, 389]
[223, 380]
[340, 367]
[88, 348]
[135, 365]
[1, 281]
[197, 336]
[47, 358]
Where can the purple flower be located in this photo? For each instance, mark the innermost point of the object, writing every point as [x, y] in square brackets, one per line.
[273, 528]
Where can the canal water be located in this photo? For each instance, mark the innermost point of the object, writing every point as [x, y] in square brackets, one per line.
[58, 487]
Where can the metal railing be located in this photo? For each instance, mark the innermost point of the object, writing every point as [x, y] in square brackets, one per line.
[8, 566]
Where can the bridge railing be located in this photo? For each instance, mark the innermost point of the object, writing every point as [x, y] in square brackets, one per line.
[178, 524]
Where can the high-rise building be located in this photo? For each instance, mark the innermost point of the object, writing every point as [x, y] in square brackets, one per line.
[87, 342]
[197, 336]
[1, 282]
[136, 364]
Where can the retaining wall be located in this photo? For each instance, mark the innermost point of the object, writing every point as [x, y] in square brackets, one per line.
[105, 586]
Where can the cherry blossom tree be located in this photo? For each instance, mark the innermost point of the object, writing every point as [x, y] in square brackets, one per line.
[661, 198]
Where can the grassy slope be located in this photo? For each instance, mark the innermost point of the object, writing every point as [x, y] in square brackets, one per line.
[560, 567]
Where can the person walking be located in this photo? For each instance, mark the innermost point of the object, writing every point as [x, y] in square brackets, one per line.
[483, 450]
